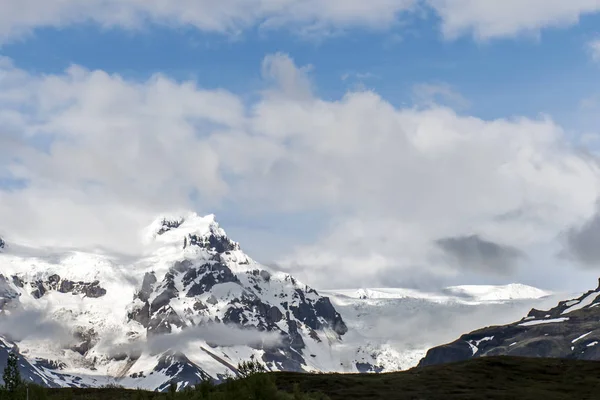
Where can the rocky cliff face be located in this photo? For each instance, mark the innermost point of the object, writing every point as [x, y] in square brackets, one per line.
[569, 330]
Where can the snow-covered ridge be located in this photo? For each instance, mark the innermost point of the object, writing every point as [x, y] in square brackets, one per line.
[163, 227]
[513, 291]
[467, 293]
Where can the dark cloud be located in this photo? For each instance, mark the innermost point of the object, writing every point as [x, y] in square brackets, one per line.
[583, 243]
[477, 254]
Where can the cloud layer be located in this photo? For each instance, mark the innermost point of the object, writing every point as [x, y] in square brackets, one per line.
[483, 19]
[102, 155]
[491, 19]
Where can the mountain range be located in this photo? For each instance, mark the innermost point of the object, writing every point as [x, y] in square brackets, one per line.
[194, 305]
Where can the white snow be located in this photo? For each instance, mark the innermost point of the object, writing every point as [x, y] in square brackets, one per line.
[468, 294]
[545, 321]
[473, 347]
[592, 344]
[587, 300]
[512, 291]
[581, 337]
[485, 339]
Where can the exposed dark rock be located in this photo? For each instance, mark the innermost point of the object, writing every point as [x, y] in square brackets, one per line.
[169, 291]
[364, 368]
[313, 315]
[207, 276]
[160, 322]
[219, 244]
[181, 369]
[54, 282]
[38, 289]
[296, 341]
[274, 315]
[167, 225]
[50, 364]
[18, 282]
[2, 243]
[314, 335]
[141, 314]
[147, 286]
[569, 330]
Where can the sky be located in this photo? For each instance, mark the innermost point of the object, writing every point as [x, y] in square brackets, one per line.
[411, 143]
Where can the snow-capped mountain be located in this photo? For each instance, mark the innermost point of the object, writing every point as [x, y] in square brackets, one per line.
[195, 304]
[568, 330]
[191, 308]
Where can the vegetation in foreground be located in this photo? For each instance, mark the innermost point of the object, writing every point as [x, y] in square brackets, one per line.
[480, 378]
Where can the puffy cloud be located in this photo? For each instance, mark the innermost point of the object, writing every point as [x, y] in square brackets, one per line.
[490, 19]
[102, 155]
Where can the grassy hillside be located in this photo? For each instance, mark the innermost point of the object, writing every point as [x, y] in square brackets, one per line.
[481, 378]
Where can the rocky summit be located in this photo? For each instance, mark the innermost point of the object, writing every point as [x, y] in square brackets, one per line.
[569, 330]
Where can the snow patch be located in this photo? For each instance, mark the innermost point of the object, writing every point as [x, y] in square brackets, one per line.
[589, 299]
[581, 337]
[512, 291]
[546, 321]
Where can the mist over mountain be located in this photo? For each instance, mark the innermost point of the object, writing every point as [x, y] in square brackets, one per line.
[195, 305]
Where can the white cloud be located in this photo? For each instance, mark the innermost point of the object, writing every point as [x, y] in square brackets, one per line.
[484, 19]
[390, 181]
[224, 16]
[594, 48]
[487, 19]
[428, 94]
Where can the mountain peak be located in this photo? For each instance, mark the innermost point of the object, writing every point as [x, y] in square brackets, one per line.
[183, 223]
[188, 230]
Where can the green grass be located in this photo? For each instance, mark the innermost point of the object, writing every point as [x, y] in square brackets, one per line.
[480, 378]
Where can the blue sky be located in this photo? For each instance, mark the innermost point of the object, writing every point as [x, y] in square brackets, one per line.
[305, 144]
[500, 77]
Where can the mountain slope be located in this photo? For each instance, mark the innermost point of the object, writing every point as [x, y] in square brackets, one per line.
[569, 330]
[192, 307]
